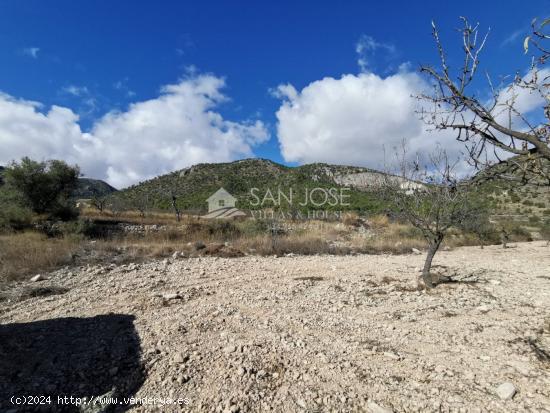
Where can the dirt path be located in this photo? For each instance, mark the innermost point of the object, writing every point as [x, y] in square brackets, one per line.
[343, 333]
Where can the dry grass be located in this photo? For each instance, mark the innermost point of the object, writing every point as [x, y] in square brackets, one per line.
[29, 253]
[133, 217]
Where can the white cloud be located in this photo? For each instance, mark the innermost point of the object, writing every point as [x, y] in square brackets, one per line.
[122, 85]
[31, 52]
[353, 120]
[76, 90]
[366, 48]
[172, 131]
[359, 119]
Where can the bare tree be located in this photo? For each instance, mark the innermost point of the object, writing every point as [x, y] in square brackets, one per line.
[494, 130]
[140, 201]
[99, 203]
[175, 206]
[431, 198]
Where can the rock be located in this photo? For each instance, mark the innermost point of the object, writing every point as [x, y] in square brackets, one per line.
[176, 255]
[483, 309]
[301, 403]
[180, 358]
[373, 407]
[38, 277]
[391, 355]
[416, 251]
[171, 296]
[229, 349]
[506, 391]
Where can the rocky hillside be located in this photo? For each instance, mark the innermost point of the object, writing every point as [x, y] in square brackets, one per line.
[89, 188]
[192, 186]
[520, 196]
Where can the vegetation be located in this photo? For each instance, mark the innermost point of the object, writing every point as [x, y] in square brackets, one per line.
[42, 187]
[188, 189]
[433, 201]
[36, 229]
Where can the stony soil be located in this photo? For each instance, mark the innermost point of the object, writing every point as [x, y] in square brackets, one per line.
[291, 334]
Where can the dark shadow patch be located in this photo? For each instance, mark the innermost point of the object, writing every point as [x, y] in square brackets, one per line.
[310, 278]
[25, 293]
[78, 357]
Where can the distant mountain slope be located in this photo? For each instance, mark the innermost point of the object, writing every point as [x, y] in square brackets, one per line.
[518, 196]
[89, 188]
[192, 186]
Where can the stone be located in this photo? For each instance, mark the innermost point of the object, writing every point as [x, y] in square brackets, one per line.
[506, 391]
[391, 355]
[171, 296]
[38, 277]
[230, 349]
[373, 407]
[180, 358]
[415, 251]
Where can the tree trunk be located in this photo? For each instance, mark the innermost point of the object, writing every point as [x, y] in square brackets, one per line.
[176, 209]
[426, 276]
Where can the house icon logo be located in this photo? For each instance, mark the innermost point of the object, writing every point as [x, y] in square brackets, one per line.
[221, 204]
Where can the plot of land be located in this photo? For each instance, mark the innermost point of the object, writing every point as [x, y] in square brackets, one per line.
[317, 333]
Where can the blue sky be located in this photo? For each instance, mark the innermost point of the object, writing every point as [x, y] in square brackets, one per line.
[99, 57]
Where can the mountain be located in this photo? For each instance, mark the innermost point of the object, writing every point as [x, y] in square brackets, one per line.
[89, 188]
[516, 192]
[192, 186]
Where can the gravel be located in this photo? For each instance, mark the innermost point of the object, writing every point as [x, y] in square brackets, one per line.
[307, 333]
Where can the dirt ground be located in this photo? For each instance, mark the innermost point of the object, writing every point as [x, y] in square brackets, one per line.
[287, 334]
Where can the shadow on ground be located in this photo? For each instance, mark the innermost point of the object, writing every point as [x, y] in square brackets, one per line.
[79, 357]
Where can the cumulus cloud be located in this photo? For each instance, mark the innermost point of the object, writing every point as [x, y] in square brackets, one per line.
[178, 128]
[355, 119]
[359, 119]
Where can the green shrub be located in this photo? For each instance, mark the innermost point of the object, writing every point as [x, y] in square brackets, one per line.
[533, 219]
[15, 217]
[516, 232]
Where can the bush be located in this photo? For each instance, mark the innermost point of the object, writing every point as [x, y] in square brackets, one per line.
[545, 231]
[533, 219]
[14, 217]
[516, 232]
[44, 187]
